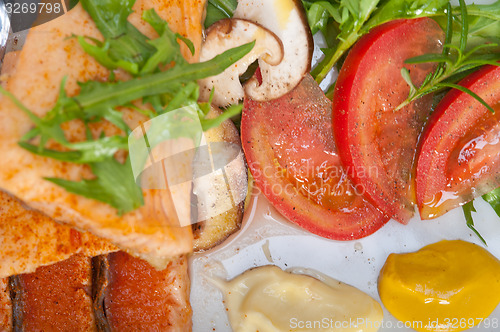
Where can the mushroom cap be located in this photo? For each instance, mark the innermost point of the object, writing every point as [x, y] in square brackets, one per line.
[229, 33]
[287, 19]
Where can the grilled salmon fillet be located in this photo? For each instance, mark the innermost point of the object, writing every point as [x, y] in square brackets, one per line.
[152, 231]
[31, 239]
[5, 306]
[115, 292]
[54, 298]
[136, 297]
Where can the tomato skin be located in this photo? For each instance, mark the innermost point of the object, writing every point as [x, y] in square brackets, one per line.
[375, 142]
[460, 152]
[289, 146]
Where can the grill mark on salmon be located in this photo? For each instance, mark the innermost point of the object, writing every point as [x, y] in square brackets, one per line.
[47, 57]
[100, 269]
[54, 298]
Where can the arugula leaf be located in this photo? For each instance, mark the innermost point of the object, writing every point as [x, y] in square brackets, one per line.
[231, 111]
[115, 94]
[110, 16]
[167, 48]
[123, 47]
[396, 9]
[110, 185]
[218, 10]
[83, 152]
[493, 198]
[355, 18]
[468, 208]
[319, 14]
[458, 56]
[100, 51]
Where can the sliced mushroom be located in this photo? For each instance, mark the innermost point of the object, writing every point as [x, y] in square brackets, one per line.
[287, 19]
[229, 33]
[224, 145]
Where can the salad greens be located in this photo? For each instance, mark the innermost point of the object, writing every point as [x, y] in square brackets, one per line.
[124, 47]
[472, 40]
[218, 10]
[343, 22]
[455, 62]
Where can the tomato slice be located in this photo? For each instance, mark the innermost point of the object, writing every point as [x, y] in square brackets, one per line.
[460, 152]
[377, 144]
[289, 146]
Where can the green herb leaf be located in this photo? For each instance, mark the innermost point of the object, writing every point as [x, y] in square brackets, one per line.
[319, 14]
[396, 9]
[406, 76]
[468, 209]
[121, 93]
[110, 186]
[124, 47]
[218, 10]
[493, 198]
[231, 111]
[360, 16]
[440, 58]
[468, 91]
[110, 16]
[100, 52]
[167, 48]
[458, 58]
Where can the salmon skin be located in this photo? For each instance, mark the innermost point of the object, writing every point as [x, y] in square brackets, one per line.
[5, 306]
[133, 296]
[54, 298]
[48, 55]
[114, 292]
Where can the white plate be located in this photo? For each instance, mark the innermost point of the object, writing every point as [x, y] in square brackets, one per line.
[268, 238]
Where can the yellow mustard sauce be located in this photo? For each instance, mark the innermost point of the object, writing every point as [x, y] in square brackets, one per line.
[270, 299]
[447, 286]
